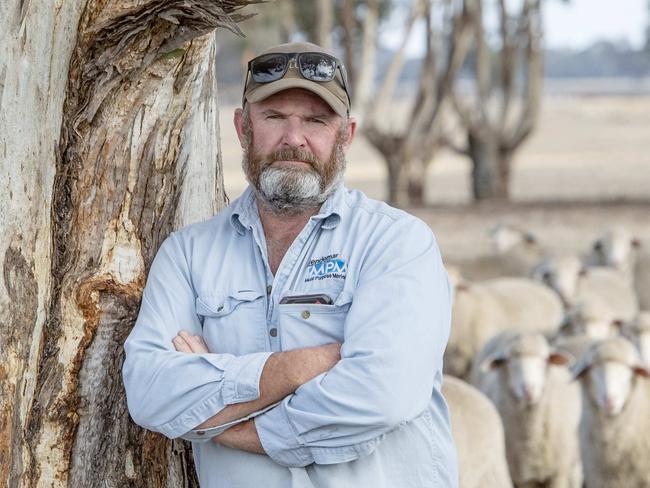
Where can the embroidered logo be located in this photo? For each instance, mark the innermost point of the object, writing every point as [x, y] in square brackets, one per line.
[331, 266]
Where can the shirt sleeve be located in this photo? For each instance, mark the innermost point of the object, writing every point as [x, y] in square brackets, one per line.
[395, 334]
[172, 392]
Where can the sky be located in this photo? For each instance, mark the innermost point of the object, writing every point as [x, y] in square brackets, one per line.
[576, 24]
[579, 23]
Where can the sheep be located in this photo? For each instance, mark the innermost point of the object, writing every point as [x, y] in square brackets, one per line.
[615, 424]
[638, 333]
[515, 252]
[482, 310]
[576, 283]
[539, 405]
[620, 250]
[478, 435]
[592, 318]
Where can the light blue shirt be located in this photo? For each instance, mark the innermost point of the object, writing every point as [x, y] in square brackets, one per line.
[376, 419]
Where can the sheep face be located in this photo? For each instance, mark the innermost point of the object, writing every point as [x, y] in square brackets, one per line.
[506, 237]
[609, 385]
[608, 372]
[562, 275]
[526, 373]
[527, 378]
[615, 249]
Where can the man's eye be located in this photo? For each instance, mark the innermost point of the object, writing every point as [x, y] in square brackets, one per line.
[313, 120]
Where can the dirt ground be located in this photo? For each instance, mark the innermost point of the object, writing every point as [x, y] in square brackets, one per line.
[586, 169]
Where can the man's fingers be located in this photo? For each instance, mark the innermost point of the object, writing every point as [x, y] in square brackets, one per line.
[195, 342]
[180, 344]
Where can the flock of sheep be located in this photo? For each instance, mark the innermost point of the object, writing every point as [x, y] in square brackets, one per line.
[548, 365]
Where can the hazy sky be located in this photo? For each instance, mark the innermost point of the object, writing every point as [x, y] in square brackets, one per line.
[576, 24]
[580, 22]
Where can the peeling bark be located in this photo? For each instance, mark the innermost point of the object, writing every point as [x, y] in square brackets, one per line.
[126, 150]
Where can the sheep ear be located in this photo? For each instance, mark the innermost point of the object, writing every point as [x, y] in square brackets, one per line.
[618, 323]
[636, 243]
[641, 370]
[462, 286]
[560, 358]
[530, 238]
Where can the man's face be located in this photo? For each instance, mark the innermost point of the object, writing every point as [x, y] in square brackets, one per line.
[294, 147]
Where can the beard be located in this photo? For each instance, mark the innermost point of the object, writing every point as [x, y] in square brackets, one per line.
[293, 189]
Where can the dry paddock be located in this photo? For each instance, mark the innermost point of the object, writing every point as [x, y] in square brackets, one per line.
[585, 169]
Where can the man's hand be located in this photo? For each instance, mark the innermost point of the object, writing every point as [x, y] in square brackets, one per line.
[243, 437]
[186, 342]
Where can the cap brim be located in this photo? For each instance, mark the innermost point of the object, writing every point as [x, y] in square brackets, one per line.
[264, 91]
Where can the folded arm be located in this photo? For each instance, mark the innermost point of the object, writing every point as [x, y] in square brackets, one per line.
[395, 334]
[172, 392]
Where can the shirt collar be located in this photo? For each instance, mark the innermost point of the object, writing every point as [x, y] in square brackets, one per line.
[244, 212]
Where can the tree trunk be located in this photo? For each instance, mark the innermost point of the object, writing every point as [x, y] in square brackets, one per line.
[324, 23]
[417, 179]
[397, 181]
[109, 140]
[366, 72]
[487, 172]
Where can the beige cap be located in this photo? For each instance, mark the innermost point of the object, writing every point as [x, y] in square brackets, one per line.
[332, 92]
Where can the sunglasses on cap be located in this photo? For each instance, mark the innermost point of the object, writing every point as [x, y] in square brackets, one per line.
[313, 66]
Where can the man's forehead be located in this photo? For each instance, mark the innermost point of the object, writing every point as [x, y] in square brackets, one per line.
[293, 98]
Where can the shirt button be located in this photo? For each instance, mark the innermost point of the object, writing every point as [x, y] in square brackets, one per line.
[273, 332]
[268, 289]
[305, 314]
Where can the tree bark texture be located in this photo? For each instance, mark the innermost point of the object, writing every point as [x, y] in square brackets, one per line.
[108, 141]
[490, 168]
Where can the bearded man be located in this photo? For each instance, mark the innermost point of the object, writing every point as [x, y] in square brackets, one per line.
[296, 338]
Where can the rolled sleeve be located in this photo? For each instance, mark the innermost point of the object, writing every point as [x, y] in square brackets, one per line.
[242, 377]
[395, 334]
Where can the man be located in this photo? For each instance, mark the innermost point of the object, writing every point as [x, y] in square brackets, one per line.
[299, 332]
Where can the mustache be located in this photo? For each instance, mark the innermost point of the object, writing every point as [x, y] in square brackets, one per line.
[295, 154]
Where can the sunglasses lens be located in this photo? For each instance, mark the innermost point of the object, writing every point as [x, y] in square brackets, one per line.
[268, 68]
[317, 67]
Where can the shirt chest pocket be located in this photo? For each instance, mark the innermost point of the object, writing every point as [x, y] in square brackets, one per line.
[233, 322]
[307, 325]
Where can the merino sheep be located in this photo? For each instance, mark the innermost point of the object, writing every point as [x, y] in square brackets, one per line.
[482, 310]
[615, 424]
[621, 250]
[539, 406]
[515, 252]
[576, 283]
[478, 435]
[638, 333]
[594, 319]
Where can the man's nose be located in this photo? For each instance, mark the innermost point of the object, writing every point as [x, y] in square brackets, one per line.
[293, 135]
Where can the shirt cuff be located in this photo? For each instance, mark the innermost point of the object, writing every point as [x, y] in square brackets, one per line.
[241, 381]
[282, 444]
[279, 439]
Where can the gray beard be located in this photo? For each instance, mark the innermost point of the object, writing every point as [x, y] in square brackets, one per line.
[288, 190]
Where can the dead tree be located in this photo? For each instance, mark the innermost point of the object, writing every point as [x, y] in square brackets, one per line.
[108, 141]
[503, 107]
[408, 150]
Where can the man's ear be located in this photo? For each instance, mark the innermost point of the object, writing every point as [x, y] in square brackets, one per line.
[238, 120]
[352, 129]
